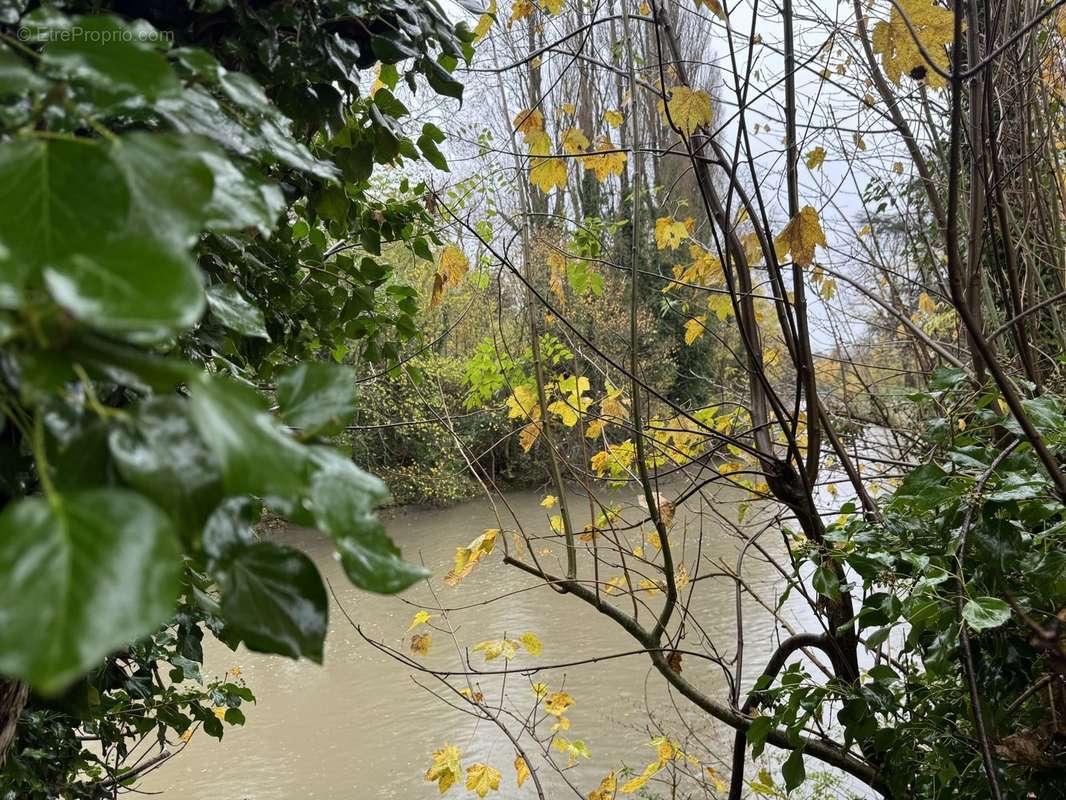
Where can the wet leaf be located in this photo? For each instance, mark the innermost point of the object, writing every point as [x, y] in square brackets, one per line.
[81, 574]
[273, 600]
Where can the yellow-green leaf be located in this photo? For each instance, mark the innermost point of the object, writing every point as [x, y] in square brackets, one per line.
[421, 618]
[521, 769]
[900, 55]
[452, 265]
[687, 108]
[481, 779]
[531, 643]
[446, 769]
[557, 703]
[669, 233]
[801, 236]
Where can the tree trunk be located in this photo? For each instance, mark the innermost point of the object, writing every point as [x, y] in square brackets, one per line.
[13, 696]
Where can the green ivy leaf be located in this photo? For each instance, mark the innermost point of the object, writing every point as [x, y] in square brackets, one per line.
[983, 613]
[343, 499]
[242, 197]
[81, 576]
[317, 398]
[230, 526]
[170, 187]
[16, 76]
[256, 456]
[825, 581]
[160, 454]
[135, 288]
[235, 311]
[110, 58]
[60, 197]
[925, 488]
[273, 600]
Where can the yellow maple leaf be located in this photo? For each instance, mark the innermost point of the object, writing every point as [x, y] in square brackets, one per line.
[420, 643]
[520, 10]
[549, 501]
[446, 769]
[557, 703]
[573, 399]
[521, 769]
[801, 236]
[528, 120]
[688, 109]
[713, 6]
[574, 141]
[574, 750]
[485, 21]
[470, 694]
[681, 577]
[669, 233]
[539, 689]
[694, 328]
[715, 779]
[638, 782]
[467, 557]
[613, 117]
[378, 84]
[900, 55]
[522, 404]
[481, 779]
[494, 648]
[705, 269]
[815, 158]
[552, 6]
[548, 173]
[828, 289]
[614, 584]
[539, 143]
[606, 160]
[531, 643]
[421, 618]
[528, 436]
[606, 789]
[452, 265]
[611, 405]
[721, 305]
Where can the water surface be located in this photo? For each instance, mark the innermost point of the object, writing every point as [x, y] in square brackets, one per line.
[361, 726]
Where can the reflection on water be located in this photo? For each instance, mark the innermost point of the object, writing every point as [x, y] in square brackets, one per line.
[361, 726]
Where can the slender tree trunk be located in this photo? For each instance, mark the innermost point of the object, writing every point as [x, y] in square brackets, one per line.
[13, 696]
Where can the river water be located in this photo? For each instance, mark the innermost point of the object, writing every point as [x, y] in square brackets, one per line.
[361, 726]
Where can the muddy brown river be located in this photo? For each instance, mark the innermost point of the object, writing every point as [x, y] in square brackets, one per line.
[361, 726]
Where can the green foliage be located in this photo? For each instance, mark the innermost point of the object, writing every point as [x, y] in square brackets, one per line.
[186, 214]
[974, 540]
[404, 441]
